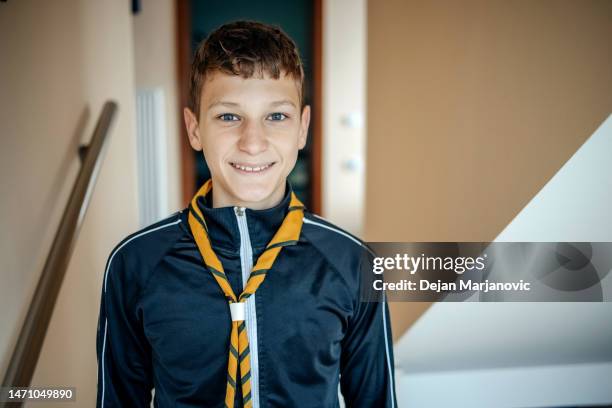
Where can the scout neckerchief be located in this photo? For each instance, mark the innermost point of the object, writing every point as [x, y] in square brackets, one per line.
[287, 234]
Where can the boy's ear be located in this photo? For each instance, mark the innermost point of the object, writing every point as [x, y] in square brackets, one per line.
[193, 129]
[304, 123]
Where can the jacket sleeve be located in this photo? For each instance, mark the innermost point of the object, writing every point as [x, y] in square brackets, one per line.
[124, 355]
[367, 374]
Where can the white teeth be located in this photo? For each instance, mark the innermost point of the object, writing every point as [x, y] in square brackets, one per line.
[251, 169]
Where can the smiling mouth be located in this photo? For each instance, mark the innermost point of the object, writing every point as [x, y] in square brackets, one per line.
[252, 168]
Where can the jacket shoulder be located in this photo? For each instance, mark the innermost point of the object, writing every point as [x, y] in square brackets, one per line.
[142, 249]
[339, 247]
[151, 237]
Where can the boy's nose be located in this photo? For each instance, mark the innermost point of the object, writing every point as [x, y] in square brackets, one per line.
[253, 138]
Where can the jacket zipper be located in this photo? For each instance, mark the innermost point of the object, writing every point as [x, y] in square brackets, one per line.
[246, 262]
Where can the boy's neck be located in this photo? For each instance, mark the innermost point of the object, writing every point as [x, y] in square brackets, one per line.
[220, 200]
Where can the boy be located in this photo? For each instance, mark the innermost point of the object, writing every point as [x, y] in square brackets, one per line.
[244, 298]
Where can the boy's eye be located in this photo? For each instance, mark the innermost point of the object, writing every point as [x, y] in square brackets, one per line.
[228, 117]
[277, 116]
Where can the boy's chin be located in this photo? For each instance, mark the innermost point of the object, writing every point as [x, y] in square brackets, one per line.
[258, 197]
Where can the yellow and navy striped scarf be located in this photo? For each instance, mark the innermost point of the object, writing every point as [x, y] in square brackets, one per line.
[287, 234]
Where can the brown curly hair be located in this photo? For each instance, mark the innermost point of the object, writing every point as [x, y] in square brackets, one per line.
[246, 48]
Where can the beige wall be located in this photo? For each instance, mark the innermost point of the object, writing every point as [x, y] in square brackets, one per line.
[472, 106]
[59, 60]
[155, 67]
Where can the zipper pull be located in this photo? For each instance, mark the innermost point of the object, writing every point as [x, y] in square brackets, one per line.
[239, 211]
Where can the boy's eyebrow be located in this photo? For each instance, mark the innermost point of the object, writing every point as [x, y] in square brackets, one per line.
[282, 102]
[223, 103]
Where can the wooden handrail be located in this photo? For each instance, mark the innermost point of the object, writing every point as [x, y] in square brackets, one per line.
[29, 343]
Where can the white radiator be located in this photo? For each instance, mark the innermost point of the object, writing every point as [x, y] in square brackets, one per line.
[152, 155]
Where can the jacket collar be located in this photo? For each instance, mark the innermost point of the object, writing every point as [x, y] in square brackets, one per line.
[223, 228]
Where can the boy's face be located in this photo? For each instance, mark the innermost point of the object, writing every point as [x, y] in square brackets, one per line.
[250, 131]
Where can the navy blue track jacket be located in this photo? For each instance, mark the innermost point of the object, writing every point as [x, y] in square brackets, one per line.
[165, 324]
